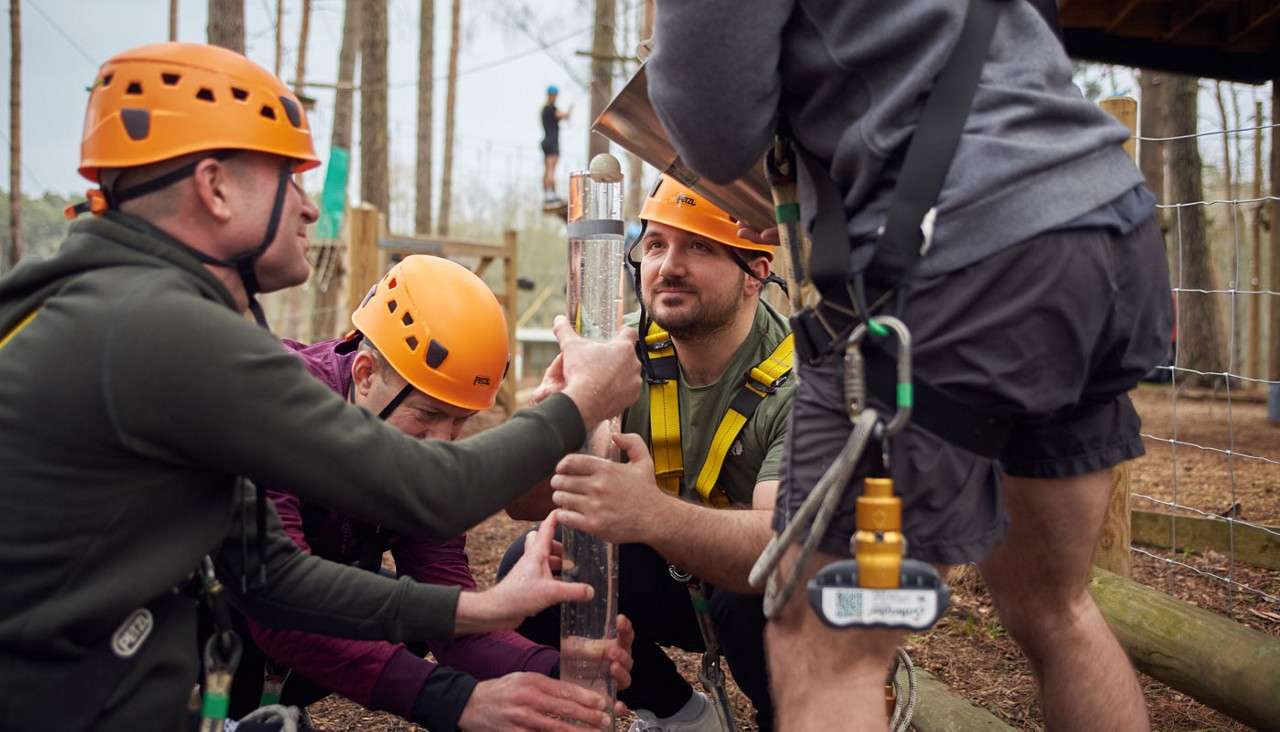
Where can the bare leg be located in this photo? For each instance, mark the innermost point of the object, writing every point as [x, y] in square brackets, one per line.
[825, 679]
[549, 173]
[1038, 578]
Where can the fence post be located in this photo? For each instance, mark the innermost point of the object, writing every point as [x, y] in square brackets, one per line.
[511, 292]
[363, 260]
[1112, 551]
[1273, 400]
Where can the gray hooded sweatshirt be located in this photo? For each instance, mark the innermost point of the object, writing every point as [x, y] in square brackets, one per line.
[851, 78]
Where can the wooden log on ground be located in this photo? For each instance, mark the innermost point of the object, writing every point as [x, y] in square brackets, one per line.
[938, 709]
[1249, 545]
[1220, 663]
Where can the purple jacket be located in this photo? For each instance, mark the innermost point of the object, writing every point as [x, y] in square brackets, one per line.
[380, 675]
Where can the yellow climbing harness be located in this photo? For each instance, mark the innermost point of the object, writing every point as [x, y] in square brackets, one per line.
[664, 414]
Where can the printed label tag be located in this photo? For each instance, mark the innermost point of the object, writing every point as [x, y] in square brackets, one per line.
[132, 633]
[845, 606]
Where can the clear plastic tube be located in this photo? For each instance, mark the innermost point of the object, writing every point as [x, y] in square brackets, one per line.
[595, 302]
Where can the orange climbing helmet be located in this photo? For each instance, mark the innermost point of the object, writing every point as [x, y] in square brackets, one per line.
[675, 204]
[441, 328]
[165, 100]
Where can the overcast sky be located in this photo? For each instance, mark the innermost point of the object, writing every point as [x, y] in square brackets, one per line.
[504, 73]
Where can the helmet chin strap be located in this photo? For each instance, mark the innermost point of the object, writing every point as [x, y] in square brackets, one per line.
[395, 402]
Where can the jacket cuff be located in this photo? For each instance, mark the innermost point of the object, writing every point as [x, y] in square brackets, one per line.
[400, 683]
[428, 612]
[565, 418]
[442, 699]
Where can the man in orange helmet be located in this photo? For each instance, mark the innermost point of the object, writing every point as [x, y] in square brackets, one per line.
[705, 435]
[137, 404]
[481, 681]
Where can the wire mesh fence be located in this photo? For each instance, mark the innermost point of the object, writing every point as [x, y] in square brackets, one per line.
[1213, 454]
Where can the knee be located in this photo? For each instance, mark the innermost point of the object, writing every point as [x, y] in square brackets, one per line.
[1038, 623]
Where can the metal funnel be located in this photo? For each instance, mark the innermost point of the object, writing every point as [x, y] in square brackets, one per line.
[630, 121]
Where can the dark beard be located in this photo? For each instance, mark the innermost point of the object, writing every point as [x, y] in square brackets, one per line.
[703, 321]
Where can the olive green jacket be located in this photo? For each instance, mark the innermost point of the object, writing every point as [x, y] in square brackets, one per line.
[128, 406]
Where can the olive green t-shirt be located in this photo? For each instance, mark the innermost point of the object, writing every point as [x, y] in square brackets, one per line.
[756, 454]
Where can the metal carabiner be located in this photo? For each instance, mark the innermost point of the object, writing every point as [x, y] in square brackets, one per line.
[855, 383]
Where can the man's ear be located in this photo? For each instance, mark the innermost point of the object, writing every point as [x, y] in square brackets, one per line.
[212, 181]
[760, 267]
[363, 370]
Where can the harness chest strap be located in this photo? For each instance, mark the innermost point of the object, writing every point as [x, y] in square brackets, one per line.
[664, 414]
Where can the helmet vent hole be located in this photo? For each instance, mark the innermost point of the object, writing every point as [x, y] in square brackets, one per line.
[106, 80]
[267, 111]
[407, 319]
[412, 343]
[436, 354]
[170, 79]
[205, 94]
[135, 87]
[291, 111]
[391, 306]
[239, 94]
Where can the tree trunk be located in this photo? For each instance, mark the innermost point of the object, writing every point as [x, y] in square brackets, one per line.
[374, 188]
[279, 27]
[173, 20]
[602, 53]
[1199, 327]
[1228, 179]
[324, 311]
[451, 101]
[426, 90]
[226, 24]
[15, 136]
[635, 173]
[1154, 100]
[304, 36]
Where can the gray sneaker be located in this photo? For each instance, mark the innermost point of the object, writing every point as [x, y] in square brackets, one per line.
[706, 720]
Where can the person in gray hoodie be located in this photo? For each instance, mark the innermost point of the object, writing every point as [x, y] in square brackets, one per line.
[1043, 299]
[139, 407]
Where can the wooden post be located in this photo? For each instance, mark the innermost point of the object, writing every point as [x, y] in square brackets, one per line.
[1273, 328]
[1255, 279]
[1218, 662]
[511, 296]
[1112, 551]
[1124, 109]
[364, 262]
[173, 20]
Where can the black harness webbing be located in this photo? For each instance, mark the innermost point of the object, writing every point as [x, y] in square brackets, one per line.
[902, 242]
